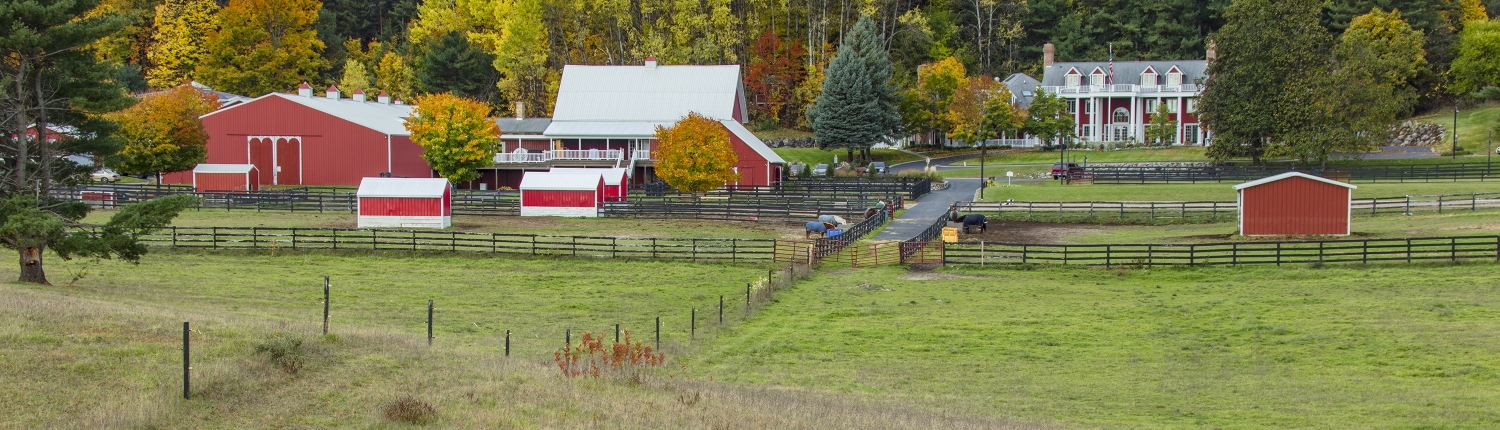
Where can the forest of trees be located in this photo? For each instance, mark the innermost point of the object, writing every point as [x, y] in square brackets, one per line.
[513, 50]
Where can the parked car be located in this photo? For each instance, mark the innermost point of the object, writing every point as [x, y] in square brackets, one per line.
[820, 170]
[105, 175]
[878, 167]
[796, 169]
[1061, 170]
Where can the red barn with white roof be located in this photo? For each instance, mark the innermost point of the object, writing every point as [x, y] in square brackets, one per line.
[405, 202]
[226, 177]
[561, 194]
[1294, 203]
[302, 139]
[616, 181]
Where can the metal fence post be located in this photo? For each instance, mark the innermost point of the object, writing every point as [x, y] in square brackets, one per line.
[429, 323]
[325, 305]
[187, 366]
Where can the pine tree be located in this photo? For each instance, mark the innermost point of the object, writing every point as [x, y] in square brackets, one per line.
[181, 26]
[453, 65]
[866, 41]
[858, 105]
[263, 46]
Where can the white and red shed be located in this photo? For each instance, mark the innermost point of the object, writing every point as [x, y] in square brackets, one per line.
[561, 194]
[405, 202]
[1294, 203]
[616, 180]
[226, 177]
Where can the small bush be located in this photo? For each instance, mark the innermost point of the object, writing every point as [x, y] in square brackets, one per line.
[285, 351]
[590, 358]
[410, 410]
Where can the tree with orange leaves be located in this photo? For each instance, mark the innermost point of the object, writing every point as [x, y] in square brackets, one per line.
[162, 132]
[457, 135]
[695, 155]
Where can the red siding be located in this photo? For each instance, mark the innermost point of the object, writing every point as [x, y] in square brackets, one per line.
[401, 206]
[224, 181]
[1294, 206]
[560, 198]
[753, 168]
[332, 151]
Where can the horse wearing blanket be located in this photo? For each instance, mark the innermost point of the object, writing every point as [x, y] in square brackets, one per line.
[821, 228]
[972, 220]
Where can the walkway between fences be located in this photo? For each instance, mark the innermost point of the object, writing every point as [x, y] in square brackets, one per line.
[1407, 205]
[816, 250]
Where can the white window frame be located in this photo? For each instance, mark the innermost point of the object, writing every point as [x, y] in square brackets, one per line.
[1192, 105]
[1088, 106]
[1174, 79]
[1096, 79]
[1190, 134]
[1073, 106]
[1151, 105]
[1114, 117]
[1148, 79]
[1073, 80]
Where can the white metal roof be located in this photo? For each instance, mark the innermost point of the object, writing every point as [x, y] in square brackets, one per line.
[402, 187]
[560, 181]
[612, 176]
[754, 142]
[1289, 175]
[639, 93]
[389, 119]
[595, 129]
[223, 168]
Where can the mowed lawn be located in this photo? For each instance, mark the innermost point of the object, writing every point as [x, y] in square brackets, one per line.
[558, 226]
[1177, 153]
[477, 297]
[1364, 227]
[1345, 347]
[1053, 191]
[1474, 126]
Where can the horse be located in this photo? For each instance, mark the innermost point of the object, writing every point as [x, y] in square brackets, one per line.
[820, 228]
[974, 220]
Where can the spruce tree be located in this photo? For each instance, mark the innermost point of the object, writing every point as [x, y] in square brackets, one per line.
[453, 65]
[858, 104]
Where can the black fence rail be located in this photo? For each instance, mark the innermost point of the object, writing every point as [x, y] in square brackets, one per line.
[1450, 172]
[832, 188]
[1445, 203]
[815, 250]
[1405, 250]
[756, 209]
[465, 202]
[699, 249]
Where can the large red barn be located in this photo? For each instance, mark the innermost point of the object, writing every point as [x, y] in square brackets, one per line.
[405, 202]
[301, 139]
[1294, 203]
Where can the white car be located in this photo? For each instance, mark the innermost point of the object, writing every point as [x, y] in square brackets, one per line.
[105, 175]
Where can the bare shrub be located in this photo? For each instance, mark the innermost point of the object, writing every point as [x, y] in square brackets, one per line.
[625, 359]
[410, 410]
[285, 351]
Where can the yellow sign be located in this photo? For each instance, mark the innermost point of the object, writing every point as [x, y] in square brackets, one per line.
[950, 234]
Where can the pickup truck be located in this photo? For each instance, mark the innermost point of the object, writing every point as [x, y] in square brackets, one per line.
[1062, 170]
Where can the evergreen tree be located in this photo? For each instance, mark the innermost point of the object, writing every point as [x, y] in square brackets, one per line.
[453, 65]
[865, 40]
[181, 26]
[847, 114]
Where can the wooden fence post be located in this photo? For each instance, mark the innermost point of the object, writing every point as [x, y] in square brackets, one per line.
[325, 305]
[187, 366]
[429, 323]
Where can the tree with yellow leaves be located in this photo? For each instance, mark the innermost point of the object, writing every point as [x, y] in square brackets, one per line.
[457, 135]
[263, 46]
[180, 29]
[695, 154]
[162, 133]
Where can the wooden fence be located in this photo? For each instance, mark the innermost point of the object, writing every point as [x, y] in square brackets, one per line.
[1404, 250]
[1447, 203]
[693, 249]
[1448, 172]
[465, 202]
[762, 209]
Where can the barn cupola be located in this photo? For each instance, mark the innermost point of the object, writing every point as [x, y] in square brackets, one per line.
[398, 101]
[650, 62]
[304, 90]
[333, 92]
[384, 98]
[359, 95]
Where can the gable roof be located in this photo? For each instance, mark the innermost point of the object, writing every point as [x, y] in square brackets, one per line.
[510, 126]
[1022, 89]
[402, 187]
[639, 93]
[389, 119]
[1263, 181]
[612, 176]
[223, 168]
[753, 142]
[561, 181]
[1052, 76]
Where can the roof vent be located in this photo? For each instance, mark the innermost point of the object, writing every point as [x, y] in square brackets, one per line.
[304, 90]
[333, 92]
[359, 96]
[384, 98]
[650, 62]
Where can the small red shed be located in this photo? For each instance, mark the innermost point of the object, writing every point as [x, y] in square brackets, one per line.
[561, 194]
[616, 180]
[405, 202]
[226, 177]
[1294, 203]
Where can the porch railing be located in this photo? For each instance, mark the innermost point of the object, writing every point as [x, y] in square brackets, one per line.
[523, 157]
[587, 154]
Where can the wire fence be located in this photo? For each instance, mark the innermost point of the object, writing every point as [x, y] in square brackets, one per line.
[1447, 172]
[1407, 205]
[690, 249]
[1404, 250]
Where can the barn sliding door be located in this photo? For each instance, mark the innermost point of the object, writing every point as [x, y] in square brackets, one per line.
[289, 161]
[261, 155]
[278, 158]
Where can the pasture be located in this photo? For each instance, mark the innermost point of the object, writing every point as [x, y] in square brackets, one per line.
[1350, 347]
[1055, 191]
[1474, 126]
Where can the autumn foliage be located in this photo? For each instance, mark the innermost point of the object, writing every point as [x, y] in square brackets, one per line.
[162, 133]
[456, 134]
[695, 154]
[592, 358]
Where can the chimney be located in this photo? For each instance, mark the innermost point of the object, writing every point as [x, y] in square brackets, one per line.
[520, 110]
[650, 62]
[333, 92]
[304, 90]
[1048, 51]
[1213, 50]
[384, 98]
[359, 96]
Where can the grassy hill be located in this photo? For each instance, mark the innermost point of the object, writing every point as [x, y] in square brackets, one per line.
[1474, 125]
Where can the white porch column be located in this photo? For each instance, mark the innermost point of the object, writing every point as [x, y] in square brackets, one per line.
[1181, 127]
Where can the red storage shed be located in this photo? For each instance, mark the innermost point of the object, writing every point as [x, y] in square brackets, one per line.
[616, 180]
[226, 177]
[1294, 203]
[405, 202]
[561, 194]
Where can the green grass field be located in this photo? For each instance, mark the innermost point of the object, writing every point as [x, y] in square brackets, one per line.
[1356, 347]
[1052, 191]
[1364, 227]
[1182, 153]
[1474, 125]
[814, 156]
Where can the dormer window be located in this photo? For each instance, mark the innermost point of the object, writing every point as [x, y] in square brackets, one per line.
[1174, 77]
[1073, 78]
[1096, 79]
[1148, 77]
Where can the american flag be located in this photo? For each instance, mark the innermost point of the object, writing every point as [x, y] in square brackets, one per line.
[1110, 78]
